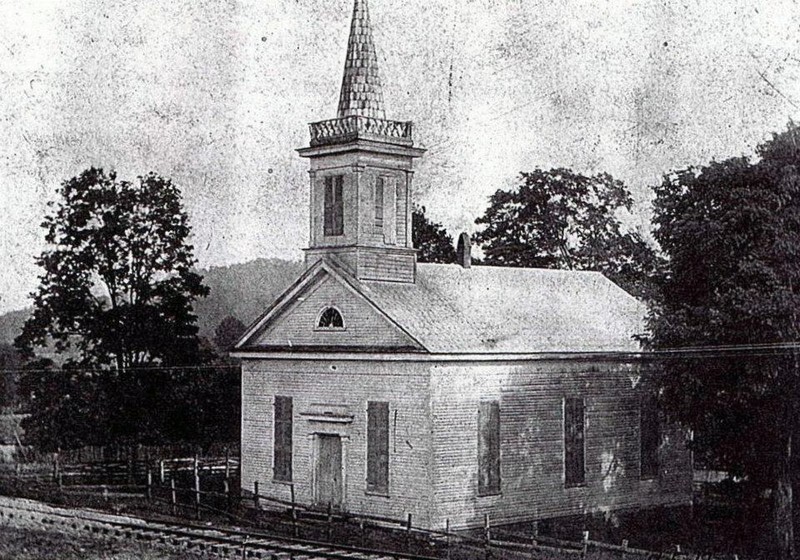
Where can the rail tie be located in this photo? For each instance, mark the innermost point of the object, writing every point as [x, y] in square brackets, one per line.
[216, 541]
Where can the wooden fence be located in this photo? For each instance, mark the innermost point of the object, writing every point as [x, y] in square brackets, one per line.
[198, 482]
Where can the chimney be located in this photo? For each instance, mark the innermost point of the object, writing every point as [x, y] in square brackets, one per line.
[464, 250]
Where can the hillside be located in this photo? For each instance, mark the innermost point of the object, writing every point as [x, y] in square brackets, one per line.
[241, 290]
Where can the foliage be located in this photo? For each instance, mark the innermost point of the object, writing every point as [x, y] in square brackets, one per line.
[10, 362]
[731, 231]
[228, 332]
[75, 407]
[562, 219]
[433, 243]
[117, 285]
[115, 300]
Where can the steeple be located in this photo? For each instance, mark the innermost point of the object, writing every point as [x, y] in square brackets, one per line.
[361, 93]
[361, 174]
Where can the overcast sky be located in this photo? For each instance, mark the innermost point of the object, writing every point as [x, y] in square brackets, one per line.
[217, 95]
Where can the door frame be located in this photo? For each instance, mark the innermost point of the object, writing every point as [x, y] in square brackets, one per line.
[314, 444]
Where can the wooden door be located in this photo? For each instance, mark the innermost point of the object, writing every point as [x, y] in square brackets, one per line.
[328, 488]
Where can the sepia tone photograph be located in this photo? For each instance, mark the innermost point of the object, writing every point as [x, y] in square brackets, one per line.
[419, 280]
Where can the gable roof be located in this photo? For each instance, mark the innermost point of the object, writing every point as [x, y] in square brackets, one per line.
[487, 309]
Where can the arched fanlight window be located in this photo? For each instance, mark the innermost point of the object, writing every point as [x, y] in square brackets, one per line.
[330, 318]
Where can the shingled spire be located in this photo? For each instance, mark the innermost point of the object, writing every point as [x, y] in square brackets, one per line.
[362, 93]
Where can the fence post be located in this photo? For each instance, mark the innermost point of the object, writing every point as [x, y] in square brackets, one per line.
[624, 548]
[487, 536]
[294, 513]
[149, 483]
[255, 494]
[161, 470]
[330, 521]
[226, 485]
[585, 550]
[447, 536]
[227, 462]
[196, 489]
[56, 466]
[408, 530]
[173, 496]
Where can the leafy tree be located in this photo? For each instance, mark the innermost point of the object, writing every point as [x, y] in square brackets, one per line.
[228, 332]
[117, 285]
[731, 231]
[562, 219]
[433, 243]
[10, 362]
[115, 299]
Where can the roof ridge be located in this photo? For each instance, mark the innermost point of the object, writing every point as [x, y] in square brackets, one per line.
[362, 92]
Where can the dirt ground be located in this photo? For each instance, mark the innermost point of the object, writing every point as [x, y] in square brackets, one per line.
[26, 544]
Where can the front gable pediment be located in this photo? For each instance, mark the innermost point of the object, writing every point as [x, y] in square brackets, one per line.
[300, 319]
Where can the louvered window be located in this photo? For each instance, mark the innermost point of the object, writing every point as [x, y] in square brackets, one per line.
[282, 464]
[649, 436]
[378, 447]
[489, 448]
[379, 203]
[334, 206]
[574, 416]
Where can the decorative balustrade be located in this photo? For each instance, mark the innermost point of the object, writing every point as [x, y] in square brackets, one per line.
[355, 127]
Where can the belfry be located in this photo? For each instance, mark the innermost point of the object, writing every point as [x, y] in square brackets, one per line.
[361, 173]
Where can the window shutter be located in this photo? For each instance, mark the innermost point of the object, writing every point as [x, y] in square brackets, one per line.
[574, 441]
[328, 209]
[489, 448]
[282, 455]
[338, 206]
[379, 202]
[649, 436]
[390, 212]
[378, 447]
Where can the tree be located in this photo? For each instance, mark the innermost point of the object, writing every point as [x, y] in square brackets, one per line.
[115, 299]
[117, 285]
[228, 332]
[562, 219]
[433, 243]
[731, 231]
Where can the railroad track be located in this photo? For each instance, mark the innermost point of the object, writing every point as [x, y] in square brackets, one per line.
[224, 543]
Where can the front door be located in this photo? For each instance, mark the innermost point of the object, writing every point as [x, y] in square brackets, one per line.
[328, 472]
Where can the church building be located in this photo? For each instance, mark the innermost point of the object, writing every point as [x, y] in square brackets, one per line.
[379, 385]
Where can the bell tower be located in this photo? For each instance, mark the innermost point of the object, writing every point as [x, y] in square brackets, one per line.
[361, 173]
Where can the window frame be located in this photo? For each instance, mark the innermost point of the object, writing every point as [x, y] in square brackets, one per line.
[574, 477]
[490, 470]
[318, 327]
[378, 467]
[282, 451]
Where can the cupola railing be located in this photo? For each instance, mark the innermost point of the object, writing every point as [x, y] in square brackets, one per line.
[357, 127]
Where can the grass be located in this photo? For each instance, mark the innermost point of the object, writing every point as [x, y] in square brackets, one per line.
[28, 544]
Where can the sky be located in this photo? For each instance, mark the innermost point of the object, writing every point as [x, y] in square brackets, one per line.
[217, 95]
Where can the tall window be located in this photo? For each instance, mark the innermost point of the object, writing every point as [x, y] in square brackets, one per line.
[378, 447]
[379, 203]
[390, 212]
[489, 448]
[574, 441]
[649, 436]
[282, 466]
[334, 207]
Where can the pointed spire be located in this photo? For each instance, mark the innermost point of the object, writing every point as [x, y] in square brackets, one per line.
[362, 93]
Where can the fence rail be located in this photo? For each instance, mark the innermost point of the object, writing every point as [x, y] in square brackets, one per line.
[205, 483]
